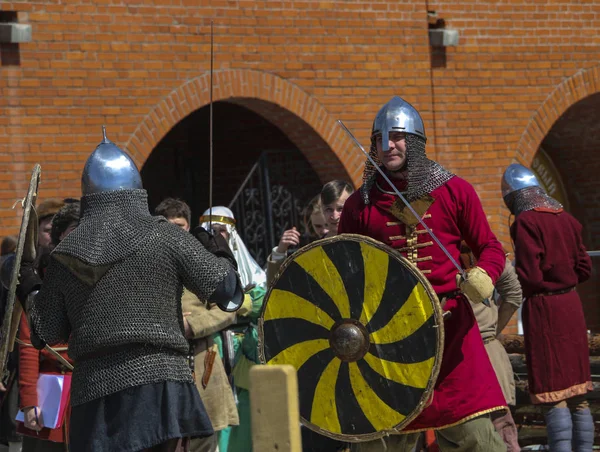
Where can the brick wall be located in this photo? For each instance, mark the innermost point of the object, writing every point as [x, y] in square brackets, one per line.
[141, 67]
[513, 55]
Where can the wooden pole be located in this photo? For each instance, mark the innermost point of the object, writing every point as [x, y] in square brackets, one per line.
[514, 343]
[274, 408]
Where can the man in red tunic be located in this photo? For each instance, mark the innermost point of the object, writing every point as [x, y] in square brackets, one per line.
[550, 261]
[467, 389]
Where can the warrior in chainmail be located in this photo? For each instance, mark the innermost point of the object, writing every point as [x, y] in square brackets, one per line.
[113, 291]
[550, 260]
[467, 389]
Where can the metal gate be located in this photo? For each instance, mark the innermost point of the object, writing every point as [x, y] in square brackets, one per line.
[271, 200]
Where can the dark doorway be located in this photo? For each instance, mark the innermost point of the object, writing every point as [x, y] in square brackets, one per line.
[179, 166]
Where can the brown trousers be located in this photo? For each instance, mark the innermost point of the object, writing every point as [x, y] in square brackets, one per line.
[475, 435]
[208, 444]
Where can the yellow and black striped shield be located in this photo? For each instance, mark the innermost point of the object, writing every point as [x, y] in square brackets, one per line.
[363, 328]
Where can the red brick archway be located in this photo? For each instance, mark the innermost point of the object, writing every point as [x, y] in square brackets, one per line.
[567, 127]
[582, 84]
[300, 116]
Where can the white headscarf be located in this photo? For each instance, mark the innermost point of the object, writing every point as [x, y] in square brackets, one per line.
[249, 270]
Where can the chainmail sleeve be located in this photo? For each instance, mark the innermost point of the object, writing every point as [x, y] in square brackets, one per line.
[209, 277]
[48, 314]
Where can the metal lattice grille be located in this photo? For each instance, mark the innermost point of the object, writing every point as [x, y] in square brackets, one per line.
[270, 200]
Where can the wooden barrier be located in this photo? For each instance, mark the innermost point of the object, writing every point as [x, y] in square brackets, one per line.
[514, 343]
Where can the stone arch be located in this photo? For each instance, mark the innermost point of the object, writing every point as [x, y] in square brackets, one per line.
[298, 114]
[582, 84]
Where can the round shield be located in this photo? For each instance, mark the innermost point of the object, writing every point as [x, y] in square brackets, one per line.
[364, 330]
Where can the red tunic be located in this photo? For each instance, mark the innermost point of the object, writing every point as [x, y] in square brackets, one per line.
[550, 257]
[467, 385]
[32, 362]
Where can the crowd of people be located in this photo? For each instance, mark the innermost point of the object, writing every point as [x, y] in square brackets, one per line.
[160, 320]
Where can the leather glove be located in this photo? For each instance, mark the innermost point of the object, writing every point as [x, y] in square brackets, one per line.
[246, 307]
[478, 285]
[29, 280]
[216, 244]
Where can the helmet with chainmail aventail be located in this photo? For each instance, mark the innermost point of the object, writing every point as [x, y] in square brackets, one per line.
[424, 175]
[522, 191]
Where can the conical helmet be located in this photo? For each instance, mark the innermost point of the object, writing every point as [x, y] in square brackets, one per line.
[397, 116]
[109, 168]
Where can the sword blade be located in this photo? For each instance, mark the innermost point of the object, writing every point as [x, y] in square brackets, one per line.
[210, 144]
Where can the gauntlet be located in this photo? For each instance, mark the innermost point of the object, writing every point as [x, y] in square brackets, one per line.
[478, 286]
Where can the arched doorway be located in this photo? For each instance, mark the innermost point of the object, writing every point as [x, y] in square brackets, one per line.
[568, 164]
[284, 104]
[311, 132]
[256, 164]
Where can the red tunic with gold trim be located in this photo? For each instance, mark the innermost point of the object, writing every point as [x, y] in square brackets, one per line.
[550, 261]
[467, 385]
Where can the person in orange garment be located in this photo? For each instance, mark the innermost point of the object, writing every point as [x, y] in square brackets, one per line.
[32, 362]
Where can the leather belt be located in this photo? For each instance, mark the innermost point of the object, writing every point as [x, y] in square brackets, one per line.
[556, 292]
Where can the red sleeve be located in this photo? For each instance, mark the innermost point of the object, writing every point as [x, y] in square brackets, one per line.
[29, 367]
[583, 265]
[529, 252]
[476, 231]
[350, 220]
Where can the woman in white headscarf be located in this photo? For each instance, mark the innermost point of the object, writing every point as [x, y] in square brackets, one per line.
[221, 221]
